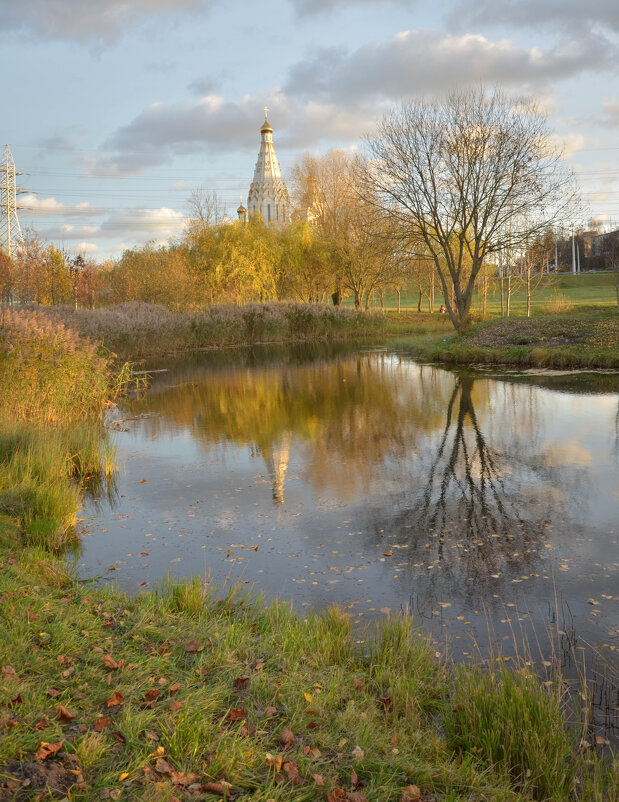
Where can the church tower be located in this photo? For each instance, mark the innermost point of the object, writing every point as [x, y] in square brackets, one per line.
[268, 196]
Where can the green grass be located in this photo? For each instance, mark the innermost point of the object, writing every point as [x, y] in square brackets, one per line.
[582, 289]
[585, 338]
[223, 688]
[188, 692]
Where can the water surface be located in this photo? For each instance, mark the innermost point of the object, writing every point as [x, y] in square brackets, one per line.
[485, 505]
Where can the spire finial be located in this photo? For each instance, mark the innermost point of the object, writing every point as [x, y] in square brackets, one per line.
[266, 111]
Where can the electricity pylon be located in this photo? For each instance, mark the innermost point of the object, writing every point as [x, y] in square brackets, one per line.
[10, 231]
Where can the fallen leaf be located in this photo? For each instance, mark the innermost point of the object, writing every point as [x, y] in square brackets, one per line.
[358, 754]
[337, 795]
[287, 737]
[221, 788]
[193, 646]
[17, 700]
[150, 696]
[600, 741]
[64, 717]
[42, 724]
[354, 780]
[386, 702]
[176, 706]
[175, 687]
[592, 601]
[237, 713]
[123, 776]
[143, 480]
[116, 699]
[47, 749]
[356, 796]
[292, 772]
[317, 778]
[163, 767]
[358, 684]
[111, 663]
[240, 683]
[270, 711]
[308, 697]
[101, 723]
[410, 794]
[388, 553]
[118, 736]
[273, 761]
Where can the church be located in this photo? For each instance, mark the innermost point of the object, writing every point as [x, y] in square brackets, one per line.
[268, 196]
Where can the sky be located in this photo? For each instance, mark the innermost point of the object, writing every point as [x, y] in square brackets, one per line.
[116, 110]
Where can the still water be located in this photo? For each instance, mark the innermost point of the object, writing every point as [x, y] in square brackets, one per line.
[486, 505]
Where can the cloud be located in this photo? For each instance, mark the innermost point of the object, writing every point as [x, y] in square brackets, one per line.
[88, 20]
[212, 124]
[423, 61]
[161, 223]
[611, 113]
[569, 15]
[86, 247]
[31, 203]
[311, 7]
[203, 86]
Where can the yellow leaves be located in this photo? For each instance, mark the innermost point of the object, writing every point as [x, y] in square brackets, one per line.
[308, 697]
[123, 776]
[274, 761]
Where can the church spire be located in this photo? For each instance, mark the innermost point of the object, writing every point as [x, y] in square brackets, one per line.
[268, 195]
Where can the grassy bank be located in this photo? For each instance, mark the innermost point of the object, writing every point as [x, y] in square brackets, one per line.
[587, 338]
[188, 694]
[182, 694]
[138, 329]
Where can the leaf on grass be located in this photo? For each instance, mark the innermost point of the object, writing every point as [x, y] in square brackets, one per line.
[273, 761]
[287, 737]
[101, 723]
[175, 687]
[337, 795]
[240, 683]
[356, 796]
[16, 700]
[358, 754]
[46, 749]
[221, 788]
[111, 663]
[193, 646]
[180, 778]
[118, 736]
[600, 741]
[237, 713]
[12, 722]
[116, 699]
[270, 711]
[259, 665]
[308, 697]
[317, 778]
[357, 684]
[291, 771]
[123, 776]
[354, 780]
[176, 706]
[42, 724]
[411, 793]
[150, 696]
[387, 702]
[163, 767]
[64, 717]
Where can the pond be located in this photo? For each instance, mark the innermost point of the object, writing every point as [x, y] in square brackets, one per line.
[484, 504]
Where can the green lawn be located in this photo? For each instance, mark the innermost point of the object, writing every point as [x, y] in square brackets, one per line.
[584, 289]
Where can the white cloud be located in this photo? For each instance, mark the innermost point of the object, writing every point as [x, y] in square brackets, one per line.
[160, 223]
[86, 247]
[33, 204]
[611, 113]
[213, 124]
[570, 15]
[570, 143]
[424, 61]
[88, 20]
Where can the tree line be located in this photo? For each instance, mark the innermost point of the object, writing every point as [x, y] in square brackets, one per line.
[446, 196]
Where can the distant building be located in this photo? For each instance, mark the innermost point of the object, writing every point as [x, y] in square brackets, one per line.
[268, 195]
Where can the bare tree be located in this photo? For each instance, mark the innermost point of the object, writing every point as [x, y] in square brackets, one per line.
[206, 208]
[467, 176]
